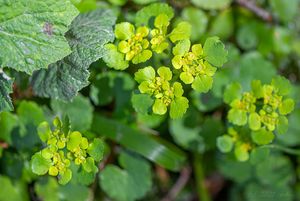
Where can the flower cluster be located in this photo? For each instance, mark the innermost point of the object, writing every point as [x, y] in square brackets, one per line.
[257, 115]
[195, 64]
[194, 69]
[160, 88]
[64, 147]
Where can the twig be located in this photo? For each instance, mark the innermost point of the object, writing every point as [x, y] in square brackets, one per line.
[179, 185]
[250, 5]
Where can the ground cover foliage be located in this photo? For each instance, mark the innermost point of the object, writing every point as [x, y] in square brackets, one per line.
[149, 100]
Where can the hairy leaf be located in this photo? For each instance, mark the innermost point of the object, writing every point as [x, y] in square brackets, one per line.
[87, 36]
[32, 33]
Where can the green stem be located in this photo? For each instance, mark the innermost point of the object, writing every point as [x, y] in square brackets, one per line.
[203, 194]
[284, 149]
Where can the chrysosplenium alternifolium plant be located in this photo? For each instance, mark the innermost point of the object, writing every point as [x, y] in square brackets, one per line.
[63, 149]
[256, 116]
[191, 64]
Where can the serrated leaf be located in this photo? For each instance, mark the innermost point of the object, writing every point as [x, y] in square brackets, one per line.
[33, 33]
[143, 16]
[142, 103]
[5, 89]
[79, 105]
[282, 85]
[65, 177]
[181, 31]
[225, 143]
[254, 121]
[214, 51]
[39, 164]
[237, 117]
[127, 185]
[87, 36]
[202, 83]
[232, 91]
[283, 125]
[96, 149]
[287, 106]
[178, 107]
[262, 136]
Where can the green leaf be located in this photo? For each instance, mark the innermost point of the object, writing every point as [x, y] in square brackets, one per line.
[241, 153]
[287, 106]
[48, 191]
[254, 121]
[127, 185]
[87, 36]
[214, 51]
[185, 136]
[114, 59]
[65, 177]
[202, 83]
[145, 74]
[178, 107]
[285, 10]
[74, 140]
[180, 32]
[89, 164]
[257, 89]
[8, 122]
[30, 112]
[5, 89]
[237, 117]
[182, 47]
[142, 2]
[282, 85]
[96, 149]
[124, 31]
[169, 156]
[262, 136]
[143, 16]
[281, 165]
[159, 107]
[165, 73]
[142, 103]
[212, 4]
[79, 105]
[13, 190]
[232, 91]
[39, 164]
[225, 143]
[223, 24]
[259, 155]
[258, 192]
[33, 33]
[198, 19]
[44, 131]
[254, 66]
[283, 125]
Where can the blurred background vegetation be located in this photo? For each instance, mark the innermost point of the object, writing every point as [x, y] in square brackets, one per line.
[152, 157]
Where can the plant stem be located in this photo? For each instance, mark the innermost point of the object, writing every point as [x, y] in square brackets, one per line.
[203, 194]
[284, 149]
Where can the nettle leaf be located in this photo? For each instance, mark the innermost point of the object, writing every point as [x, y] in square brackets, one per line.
[32, 33]
[214, 51]
[5, 89]
[87, 36]
[127, 185]
[144, 15]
